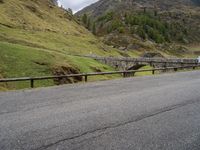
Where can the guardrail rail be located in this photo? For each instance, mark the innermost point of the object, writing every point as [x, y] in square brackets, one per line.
[124, 73]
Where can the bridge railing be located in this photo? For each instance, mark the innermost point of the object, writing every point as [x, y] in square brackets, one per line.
[124, 73]
[146, 60]
[150, 60]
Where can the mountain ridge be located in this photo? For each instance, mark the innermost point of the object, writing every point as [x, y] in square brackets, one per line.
[155, 20]
[104, 5]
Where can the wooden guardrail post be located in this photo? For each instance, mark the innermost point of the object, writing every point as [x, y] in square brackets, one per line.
[124, 74]
[32, 83]
[86, 78]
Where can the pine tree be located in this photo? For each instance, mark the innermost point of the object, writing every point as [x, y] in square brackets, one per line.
[70, 11]
[94, 28]
[85, 19]
[88, 24]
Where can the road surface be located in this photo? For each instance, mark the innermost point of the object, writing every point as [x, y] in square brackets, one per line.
[144, 113]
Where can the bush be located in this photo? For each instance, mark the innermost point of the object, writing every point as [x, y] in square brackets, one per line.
[154, 35]
[121, 30]
[107, 17]
[141, 32]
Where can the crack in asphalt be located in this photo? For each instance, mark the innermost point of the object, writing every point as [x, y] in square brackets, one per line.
[138, 118]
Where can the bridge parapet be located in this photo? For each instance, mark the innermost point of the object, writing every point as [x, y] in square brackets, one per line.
[126, 63]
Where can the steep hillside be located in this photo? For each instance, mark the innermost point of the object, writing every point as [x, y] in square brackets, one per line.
[37, 36]
[42, 24]
[103, 6]
[130, 23]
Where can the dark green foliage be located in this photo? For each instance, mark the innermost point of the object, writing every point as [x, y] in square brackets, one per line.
[141, 32]
[116, 25]
[70, 11]
[94, 28]
[146, 25]
[121, 29]
[155, 35]
[88, 26]
[85, 19]
[155, 13]
[107, 17]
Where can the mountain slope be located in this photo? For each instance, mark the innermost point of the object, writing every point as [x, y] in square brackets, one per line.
[103, 6]
[37, 36]
[169, 21]
[44, 25]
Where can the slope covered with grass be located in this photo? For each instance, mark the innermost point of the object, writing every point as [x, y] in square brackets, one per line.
[42, 24]
[22, 61]
[37, 38]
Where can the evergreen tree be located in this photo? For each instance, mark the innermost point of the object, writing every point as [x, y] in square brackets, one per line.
[85, 19]
[94, 28]
[88, 24]
[70, 11]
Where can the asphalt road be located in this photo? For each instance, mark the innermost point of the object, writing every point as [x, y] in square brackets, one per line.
[144, 113]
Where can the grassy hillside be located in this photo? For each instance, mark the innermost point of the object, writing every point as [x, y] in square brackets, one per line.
[36, 38]
[21, 61]
[43, 25]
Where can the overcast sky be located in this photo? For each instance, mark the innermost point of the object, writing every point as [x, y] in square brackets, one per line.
[76, 5]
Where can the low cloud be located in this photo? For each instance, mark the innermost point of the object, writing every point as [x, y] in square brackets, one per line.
[76, 5]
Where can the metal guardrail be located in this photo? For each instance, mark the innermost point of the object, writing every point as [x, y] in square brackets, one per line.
[125, 73]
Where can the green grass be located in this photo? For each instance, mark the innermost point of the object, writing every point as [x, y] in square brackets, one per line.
[48, 28]
[58, 42]
[37, 37]
[144, 73]
[23, 61]
[87, 65]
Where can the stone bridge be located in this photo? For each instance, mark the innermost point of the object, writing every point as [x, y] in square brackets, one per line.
[123, 63]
